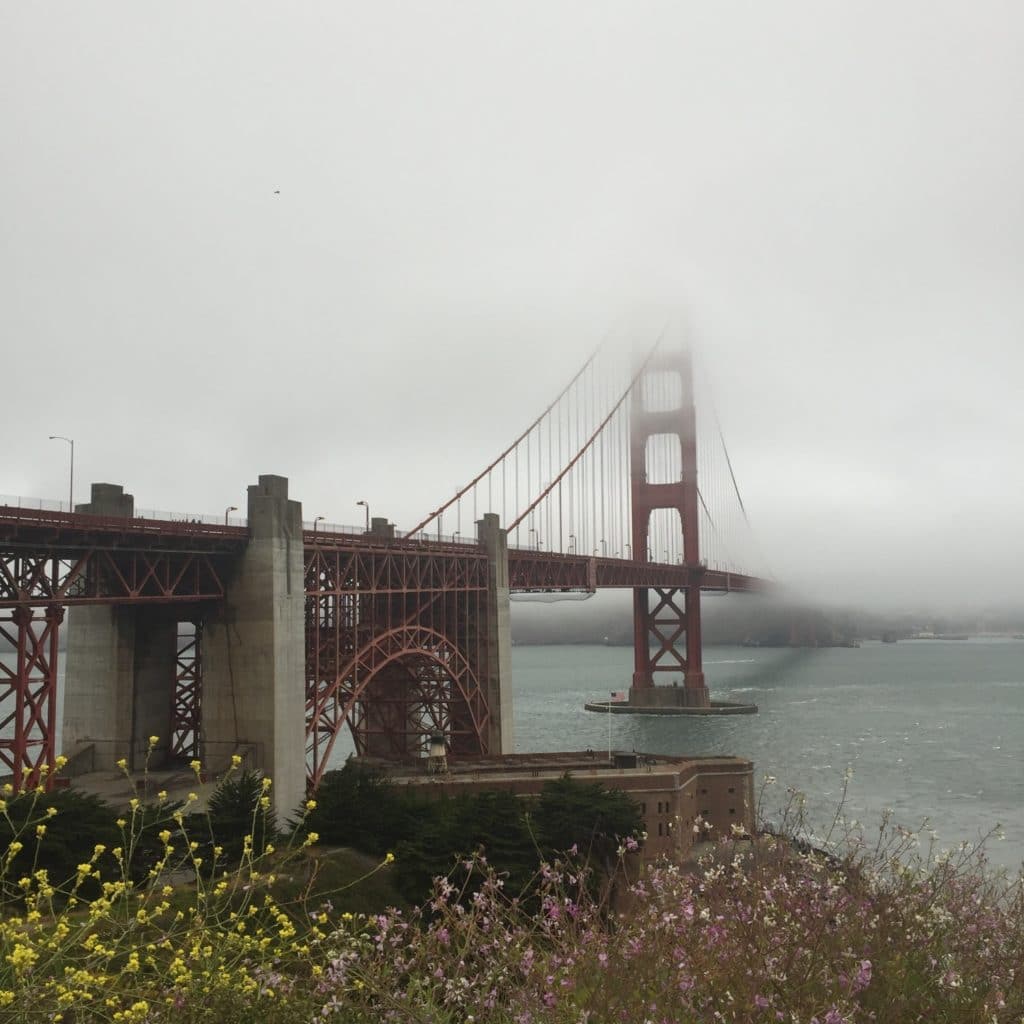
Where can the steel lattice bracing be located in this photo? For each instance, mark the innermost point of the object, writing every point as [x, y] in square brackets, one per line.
[28, 693]
[187, 695]
[396, 648]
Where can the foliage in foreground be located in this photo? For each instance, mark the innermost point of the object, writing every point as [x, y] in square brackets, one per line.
[761, 932]
[362, 808]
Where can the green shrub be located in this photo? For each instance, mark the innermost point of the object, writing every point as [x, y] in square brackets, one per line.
[74, 825]
[360, 807]
[239, 809]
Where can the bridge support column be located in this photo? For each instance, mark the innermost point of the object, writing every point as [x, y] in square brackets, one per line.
[99, 684]
[254, 691]
[498, 637]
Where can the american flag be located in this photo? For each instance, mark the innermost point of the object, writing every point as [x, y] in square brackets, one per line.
[618, 695]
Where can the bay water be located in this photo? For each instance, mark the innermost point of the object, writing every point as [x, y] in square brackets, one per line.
[932, 729]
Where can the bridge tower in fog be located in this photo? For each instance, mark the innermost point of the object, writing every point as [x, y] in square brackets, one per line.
[663, 476]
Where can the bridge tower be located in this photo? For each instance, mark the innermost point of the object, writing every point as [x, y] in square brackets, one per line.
[666, 632]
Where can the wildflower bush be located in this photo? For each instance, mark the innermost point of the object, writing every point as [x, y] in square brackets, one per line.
[762, 930]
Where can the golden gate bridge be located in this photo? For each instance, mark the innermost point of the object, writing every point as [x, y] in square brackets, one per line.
[271, 638]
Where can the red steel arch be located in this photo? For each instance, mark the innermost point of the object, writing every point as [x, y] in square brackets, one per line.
[435, 689]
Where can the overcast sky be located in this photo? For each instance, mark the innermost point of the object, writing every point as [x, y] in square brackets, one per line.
[470, 195]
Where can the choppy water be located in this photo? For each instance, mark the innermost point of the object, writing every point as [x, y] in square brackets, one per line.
[932, 729]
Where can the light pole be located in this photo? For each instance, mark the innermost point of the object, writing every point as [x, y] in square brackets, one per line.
[572, 543]
[229, 509]
[455, 537]
[318, 519]
[629, 552]
[604, 548]
[533, 530]
[366, 506]
[71, 480]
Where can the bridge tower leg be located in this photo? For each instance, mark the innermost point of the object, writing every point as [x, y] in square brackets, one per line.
[254, 650]
[672, 626]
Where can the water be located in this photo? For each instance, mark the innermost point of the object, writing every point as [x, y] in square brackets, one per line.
[931, 729]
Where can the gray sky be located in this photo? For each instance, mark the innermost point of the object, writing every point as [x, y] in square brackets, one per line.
[471, 194]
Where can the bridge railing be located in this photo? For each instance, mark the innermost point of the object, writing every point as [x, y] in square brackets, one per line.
[52, 505]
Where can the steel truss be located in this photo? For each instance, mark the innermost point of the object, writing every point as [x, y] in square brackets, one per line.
[45, 576]
[396, 650]
[28, 693]
[187, 693]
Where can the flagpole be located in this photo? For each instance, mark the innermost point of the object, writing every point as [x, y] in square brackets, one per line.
[610, 729]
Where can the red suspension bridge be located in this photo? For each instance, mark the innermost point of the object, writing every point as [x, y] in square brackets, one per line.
[270, 638]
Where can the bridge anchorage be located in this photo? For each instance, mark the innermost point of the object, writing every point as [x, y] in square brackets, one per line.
[268, 640]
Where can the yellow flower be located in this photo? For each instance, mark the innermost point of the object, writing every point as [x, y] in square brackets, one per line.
[236, 761]
[40, 831]
[165, 837]
[310, 805]
[153, 741]
[162, 795]
[266, 784]
[196, 766]
[123, 764]
[390, 858]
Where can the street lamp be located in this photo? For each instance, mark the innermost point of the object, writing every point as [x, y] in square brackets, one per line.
[629, 552]
[572, 543]
[230, 508]
[533, 530]
[319, 519]
[71, 481]
[455, 537]
[366, 506]
[604, 548]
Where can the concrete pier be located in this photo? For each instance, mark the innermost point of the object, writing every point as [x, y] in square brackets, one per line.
[498, 638]
[101, 686]
[254, 689]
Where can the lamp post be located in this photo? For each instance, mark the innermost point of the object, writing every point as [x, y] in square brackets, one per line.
[572, 543]
[455, 537]
[318, 519]
[604, 548]
[366, 507]
[533, 530]
[227, 511]
[629, 552]
[71, 480]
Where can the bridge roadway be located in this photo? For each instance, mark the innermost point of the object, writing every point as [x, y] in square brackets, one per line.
[80, 558]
